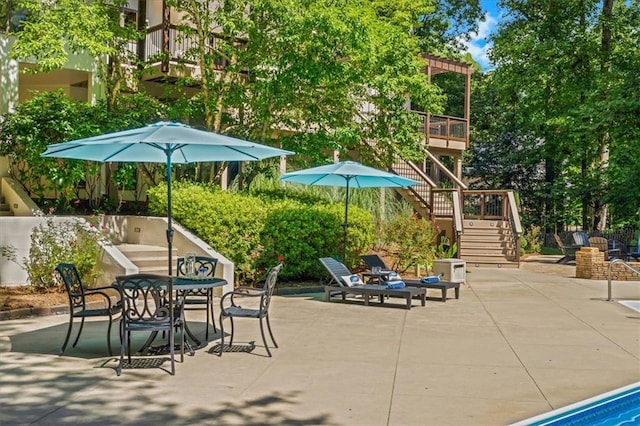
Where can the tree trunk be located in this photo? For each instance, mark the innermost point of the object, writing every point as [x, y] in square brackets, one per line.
[601, 209]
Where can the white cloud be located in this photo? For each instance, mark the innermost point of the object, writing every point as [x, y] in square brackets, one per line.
[479, 46]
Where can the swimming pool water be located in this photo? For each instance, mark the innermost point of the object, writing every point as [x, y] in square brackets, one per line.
[620, 407]
[632, 304]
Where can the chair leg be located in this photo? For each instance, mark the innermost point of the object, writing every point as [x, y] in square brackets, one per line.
[66, 339]
[263, 338]
[182, 341]
[109, 336]
[221, 335]
[79, 332]
[270, 332]
[213, 318]
[123, 346]
[232, 330]
[129, 345]
[172, 349]
[206, 333]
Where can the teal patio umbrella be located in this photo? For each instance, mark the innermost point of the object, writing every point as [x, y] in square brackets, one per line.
[163, 142]
[347, 174]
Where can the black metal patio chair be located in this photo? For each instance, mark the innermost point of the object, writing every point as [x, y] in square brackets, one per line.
[150, 306]
[78, 307]
[200, 299]
[230, 307]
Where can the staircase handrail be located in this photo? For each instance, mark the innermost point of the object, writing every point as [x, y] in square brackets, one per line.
[516, 226]
[613, 262]
[420, 173]
[458, 221]
[446, 171]
[513, 213]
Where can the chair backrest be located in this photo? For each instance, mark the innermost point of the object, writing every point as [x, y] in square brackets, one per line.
[269, 286]
[620, 245]
[373, 260]
[146, 298]
[581, 238]
[208, 263]
[336, 269]
[72, 284]
[559, 242]
[599, 242]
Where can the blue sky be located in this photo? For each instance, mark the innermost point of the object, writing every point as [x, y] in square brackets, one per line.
[478, 46]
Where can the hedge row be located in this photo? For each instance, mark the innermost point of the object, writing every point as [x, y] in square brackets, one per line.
[256, 233]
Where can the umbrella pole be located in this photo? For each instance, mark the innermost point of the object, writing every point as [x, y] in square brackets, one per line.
[169, 226]
[345, 225]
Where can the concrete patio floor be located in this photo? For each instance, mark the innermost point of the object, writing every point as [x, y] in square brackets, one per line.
[516, 344]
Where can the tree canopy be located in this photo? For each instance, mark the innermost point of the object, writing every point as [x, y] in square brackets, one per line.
[563, 89]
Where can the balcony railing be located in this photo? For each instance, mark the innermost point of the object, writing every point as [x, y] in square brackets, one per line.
[444, 127]
[152, 48]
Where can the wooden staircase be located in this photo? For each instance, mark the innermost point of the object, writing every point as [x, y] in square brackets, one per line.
[148, 259]
[487, 243]
[481, 221]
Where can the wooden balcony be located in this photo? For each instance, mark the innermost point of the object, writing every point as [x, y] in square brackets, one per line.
[442, 131]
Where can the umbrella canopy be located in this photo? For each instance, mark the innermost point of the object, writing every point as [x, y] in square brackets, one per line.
[163, 142]
[348, 174]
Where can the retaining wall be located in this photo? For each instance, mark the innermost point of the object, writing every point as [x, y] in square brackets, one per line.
[590, 264]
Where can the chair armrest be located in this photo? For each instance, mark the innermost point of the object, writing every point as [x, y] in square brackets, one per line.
[245, 290]
[228, 299]
[99, 291]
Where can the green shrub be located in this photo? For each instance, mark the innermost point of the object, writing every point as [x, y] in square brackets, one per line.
[531, 241]
[410, 241]
[301, 234]
[255, 234]
[73, 241]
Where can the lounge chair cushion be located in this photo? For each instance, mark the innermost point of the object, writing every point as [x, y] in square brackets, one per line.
[395, 284]
[394, 276]
[351, 280]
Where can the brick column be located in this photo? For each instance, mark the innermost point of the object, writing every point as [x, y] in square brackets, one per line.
[587, 261]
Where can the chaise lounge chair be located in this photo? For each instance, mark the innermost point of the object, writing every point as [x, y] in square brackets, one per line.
[373, 260]
[339, 286]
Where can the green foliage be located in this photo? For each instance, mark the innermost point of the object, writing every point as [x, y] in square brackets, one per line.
[54, 242]
[444, 251]
[531, 241]
[360, 53]
[557, 107]
[410, 241]
[50, 33]
[50, 117]
[255, 234]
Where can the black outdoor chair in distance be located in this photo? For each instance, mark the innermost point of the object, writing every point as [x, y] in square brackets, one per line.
[230, 307]
[78, 294]
[200, 298]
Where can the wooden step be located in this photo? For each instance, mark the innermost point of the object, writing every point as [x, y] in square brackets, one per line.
[487, 242]
[490, 264]
[477, 223]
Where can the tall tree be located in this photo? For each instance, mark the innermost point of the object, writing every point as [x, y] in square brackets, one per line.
[311, 73]
[556, 59]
